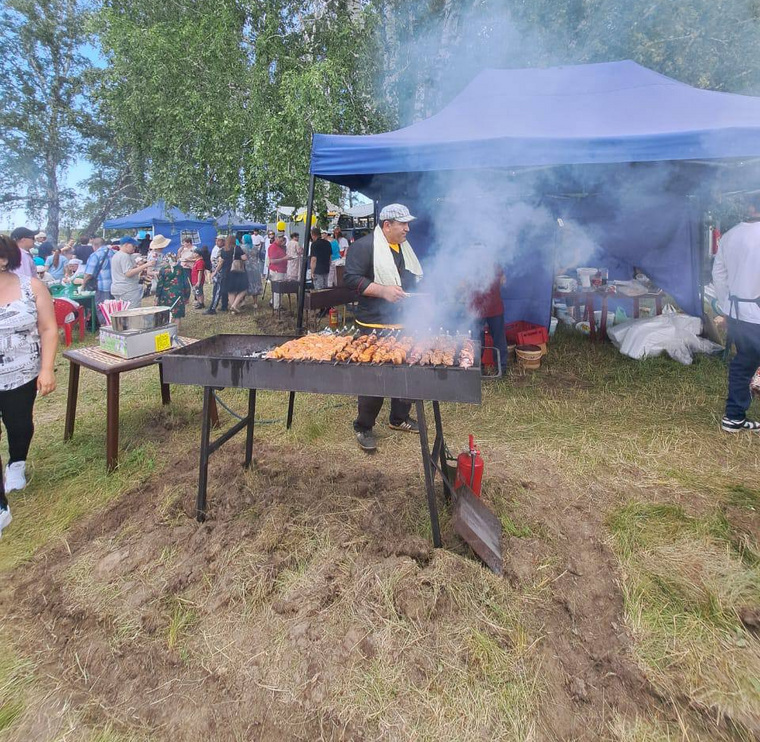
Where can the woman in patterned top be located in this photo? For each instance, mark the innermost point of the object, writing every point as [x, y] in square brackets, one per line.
[28, 341]
[173, 288]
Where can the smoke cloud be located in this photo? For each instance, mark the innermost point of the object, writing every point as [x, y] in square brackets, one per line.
[473, 224]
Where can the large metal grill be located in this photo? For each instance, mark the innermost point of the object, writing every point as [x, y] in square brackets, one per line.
[236, 361]
[223, 361]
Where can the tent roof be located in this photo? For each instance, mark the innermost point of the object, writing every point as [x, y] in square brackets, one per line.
[584, 114]
[236, 223]
[156, 212]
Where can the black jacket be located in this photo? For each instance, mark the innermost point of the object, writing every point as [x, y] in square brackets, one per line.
[360, 273]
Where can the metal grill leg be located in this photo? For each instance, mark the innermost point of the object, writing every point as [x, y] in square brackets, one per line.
[249, 428]
[429, 483]
[291, 403]
[200, 503]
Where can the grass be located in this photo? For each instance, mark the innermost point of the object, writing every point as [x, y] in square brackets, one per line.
[16, 675]
[182, 618]
[638, 441]
[685, 585]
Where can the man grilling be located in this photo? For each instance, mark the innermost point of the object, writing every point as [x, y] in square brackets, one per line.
[382, 267]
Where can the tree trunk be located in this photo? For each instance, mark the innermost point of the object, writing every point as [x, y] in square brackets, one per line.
[52, 199]
[100, 215]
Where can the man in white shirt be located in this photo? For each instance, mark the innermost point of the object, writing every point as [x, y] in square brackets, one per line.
[24, 238]
[259, 248]
[736, 278]
[216, 250]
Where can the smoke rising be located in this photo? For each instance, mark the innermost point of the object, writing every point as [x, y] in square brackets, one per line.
[472, 224]
[476, 228]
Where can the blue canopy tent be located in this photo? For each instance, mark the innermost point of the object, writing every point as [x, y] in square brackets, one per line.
[167, 222]
[235, 223]
[611, 123]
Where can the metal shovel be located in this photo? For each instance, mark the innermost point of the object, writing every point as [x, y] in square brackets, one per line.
[478, 527]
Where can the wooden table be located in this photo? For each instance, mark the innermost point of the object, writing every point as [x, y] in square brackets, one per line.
[111, 367]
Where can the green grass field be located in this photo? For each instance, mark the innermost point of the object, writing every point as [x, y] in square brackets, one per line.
[631, 449]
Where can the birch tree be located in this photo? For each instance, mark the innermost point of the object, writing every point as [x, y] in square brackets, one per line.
[41, 84]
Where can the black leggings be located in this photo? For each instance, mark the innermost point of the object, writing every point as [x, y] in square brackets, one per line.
[16, 408]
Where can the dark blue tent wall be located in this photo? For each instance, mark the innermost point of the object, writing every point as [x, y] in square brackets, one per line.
[169, 223]
[586, 116]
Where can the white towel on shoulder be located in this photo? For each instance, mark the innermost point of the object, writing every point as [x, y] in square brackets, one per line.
[386, 272]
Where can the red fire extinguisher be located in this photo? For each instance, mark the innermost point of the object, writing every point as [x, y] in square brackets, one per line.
[470, 467]
[332, 317]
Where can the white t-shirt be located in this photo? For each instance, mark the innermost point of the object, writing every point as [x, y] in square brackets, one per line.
[736, 270]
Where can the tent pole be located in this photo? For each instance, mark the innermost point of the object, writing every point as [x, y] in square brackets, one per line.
[302, 286]
[304, 265]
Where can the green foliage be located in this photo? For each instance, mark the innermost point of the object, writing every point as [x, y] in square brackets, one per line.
[220, 100]
[213, 105]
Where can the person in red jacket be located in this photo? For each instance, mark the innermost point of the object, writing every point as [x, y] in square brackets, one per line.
[488, 307]
[201, 264]
[278, 266]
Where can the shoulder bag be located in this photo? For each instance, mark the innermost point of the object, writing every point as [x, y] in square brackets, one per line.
[92, 282]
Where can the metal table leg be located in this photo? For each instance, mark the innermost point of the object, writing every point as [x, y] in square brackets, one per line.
[249, 428]
[71, 401]
[200, 503]
[166, 395]
[429, 483]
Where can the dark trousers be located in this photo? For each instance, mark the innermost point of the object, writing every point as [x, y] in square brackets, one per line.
[220, 292]
[496, 328]
[369, 408]
[16, 411]
[746, 337]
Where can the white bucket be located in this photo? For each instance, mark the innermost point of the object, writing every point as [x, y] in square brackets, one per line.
[584, 274]
[553, 326]
[610, 318]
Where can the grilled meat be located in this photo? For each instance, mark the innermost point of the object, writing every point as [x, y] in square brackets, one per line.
[440, 350]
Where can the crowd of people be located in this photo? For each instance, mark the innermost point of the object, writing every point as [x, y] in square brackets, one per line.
[130, 269]
[237, 268]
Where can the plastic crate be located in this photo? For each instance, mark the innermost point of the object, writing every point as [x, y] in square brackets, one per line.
[536, 336]
[512, 329]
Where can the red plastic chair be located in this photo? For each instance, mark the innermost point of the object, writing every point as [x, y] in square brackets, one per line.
[62, 310]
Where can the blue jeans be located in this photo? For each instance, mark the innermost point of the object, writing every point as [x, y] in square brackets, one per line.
[496, 328]
[746, 336]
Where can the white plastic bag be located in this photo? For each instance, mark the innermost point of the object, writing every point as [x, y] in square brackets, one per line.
[676, 334]
[754, 385]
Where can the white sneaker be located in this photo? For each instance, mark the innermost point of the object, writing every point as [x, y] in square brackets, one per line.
[5, 519]
[15, 476]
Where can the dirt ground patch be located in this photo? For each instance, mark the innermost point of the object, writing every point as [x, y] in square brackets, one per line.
[310, 605]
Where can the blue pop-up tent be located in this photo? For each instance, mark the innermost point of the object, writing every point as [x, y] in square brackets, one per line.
[610, 125]
[235, 223]
[167, 222]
